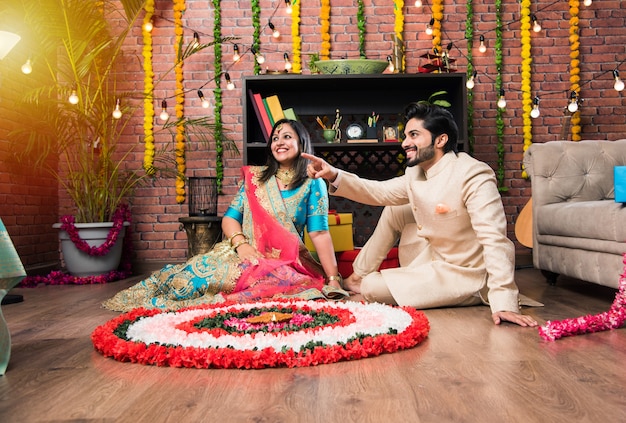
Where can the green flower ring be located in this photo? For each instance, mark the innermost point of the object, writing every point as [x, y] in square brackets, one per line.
[227, 335]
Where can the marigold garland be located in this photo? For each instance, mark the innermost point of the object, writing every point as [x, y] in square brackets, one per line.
[574, 55]
[526, 77]
[614, 318]
[437, 10]
[179, 8]
[296, 40]
[325, 30]
[221, 336]
[398, 27]
[148, 101]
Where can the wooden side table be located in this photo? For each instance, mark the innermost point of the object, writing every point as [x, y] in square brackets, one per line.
[203, 232]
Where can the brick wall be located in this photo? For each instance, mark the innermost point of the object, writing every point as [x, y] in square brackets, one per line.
[157, 234]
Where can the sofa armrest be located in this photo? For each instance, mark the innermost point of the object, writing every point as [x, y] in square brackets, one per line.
[563, 171]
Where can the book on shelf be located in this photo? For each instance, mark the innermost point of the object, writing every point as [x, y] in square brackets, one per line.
[269, 113]
[290, 113]
[365, 140]
[261, 114]
[275, 108]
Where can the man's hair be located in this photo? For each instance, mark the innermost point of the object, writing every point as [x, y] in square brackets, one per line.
[436, 120]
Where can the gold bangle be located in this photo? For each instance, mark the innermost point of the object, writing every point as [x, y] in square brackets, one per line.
[230, 240]
[337, 278]
[239, 244]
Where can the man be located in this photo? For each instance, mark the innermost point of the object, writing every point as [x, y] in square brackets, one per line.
[447, 207]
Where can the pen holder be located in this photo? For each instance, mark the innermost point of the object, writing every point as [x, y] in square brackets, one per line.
[332, 135]
[371, 133]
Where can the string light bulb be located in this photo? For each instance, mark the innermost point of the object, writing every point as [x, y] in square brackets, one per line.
[534, 113]
[203, 99]
[471, 81]
[196, 40]
[391, 66]
[418, 3]
[587, 2]
[164, 116]
[573, 103]
[536, 24]
[288, 9]
[117, 113]
[275, 32]
[501, 101]
[482, 47]
[236, 55]
[429, 27]
[27, 67]
[148, 26]
[287, 62]
[229, 84]
[73, 99]
[257, 56]
[619, 84]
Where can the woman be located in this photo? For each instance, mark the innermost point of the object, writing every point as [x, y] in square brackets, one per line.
[263, 255]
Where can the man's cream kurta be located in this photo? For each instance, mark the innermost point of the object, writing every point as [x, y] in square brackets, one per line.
[460, 221]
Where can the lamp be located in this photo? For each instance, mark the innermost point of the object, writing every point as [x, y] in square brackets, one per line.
[8, 40]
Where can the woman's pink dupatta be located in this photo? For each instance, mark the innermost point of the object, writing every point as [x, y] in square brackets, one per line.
[272, 236]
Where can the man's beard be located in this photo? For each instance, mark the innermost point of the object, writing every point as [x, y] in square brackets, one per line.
[422, 155]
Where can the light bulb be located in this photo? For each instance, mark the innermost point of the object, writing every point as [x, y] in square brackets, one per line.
[73, 99]
[117, 113]
[471, 81]
[229, 83]
[288, 9]
[148, 26]
[482, 47]
[587, 2]
[573, 106]
[501, 101]
[275, 32]
[536, 24]
[236, 55]
[534, 113]
[27, 67]
[287, 62]
[260, 58]
[619, 84]
[164, 116]
[205, 102]
[418, 3]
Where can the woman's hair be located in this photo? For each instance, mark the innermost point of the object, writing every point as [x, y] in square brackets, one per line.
[436, 120]
[304, 147]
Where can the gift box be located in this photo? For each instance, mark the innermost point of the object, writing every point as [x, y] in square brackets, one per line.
[340, 226]
[620, 184]
[346, 258]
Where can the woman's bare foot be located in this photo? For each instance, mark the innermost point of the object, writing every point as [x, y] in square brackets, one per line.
[352, 283]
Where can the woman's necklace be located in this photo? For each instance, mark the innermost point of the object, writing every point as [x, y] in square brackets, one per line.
[285, 177]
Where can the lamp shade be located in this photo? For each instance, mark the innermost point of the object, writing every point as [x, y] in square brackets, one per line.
[8, 40]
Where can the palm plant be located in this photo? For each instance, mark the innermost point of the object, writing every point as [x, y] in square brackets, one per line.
[84, 56]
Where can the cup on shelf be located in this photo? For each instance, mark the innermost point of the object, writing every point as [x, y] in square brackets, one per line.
[331, 135]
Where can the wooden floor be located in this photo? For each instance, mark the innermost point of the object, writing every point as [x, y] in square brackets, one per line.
[468, 370]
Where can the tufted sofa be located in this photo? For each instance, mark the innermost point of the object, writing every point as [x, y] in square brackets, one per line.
[578, 228]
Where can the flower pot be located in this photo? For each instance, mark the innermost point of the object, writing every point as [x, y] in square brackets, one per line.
[79, 263]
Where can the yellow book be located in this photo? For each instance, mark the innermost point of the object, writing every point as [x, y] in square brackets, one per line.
[276, 110]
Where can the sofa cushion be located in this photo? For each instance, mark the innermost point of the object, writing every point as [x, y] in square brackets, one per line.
[601, 220]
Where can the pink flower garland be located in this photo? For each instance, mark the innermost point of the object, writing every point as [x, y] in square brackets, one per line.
[612, 319]
[122, 214]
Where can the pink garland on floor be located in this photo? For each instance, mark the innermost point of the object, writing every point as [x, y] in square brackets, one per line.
[611, 319]
[122, 214]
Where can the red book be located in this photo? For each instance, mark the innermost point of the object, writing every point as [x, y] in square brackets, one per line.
[261, 114]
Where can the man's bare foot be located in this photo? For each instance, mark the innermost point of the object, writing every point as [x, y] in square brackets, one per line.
[352, 283]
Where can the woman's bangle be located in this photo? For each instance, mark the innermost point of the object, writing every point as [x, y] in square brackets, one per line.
[230, 240]
[239, 244]
[337, 278]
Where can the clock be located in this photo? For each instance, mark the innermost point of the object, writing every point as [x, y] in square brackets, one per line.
[355, 131]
